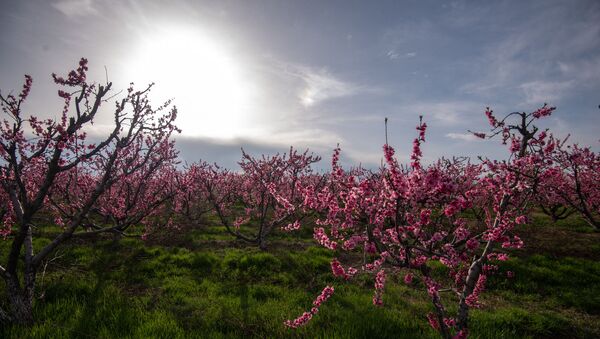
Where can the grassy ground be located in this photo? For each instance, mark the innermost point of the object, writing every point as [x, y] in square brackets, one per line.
[203, 284]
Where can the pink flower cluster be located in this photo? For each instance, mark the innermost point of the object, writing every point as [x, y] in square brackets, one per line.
[379, 286]
[75, 77]
[292, 226]
[323, 239]
[306, 316]
[473, 299]
[491, 118]
[338, 270]
[544, 111]
[416, 152]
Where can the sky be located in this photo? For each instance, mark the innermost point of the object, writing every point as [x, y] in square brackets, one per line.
[267, 75]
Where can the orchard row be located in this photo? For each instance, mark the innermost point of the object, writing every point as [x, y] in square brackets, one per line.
[458, 212]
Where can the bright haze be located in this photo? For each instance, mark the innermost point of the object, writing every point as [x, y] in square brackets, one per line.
[265, 75]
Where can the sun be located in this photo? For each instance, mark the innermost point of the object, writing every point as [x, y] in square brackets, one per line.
[212, 94]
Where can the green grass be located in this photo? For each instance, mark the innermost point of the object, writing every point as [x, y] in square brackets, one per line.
[211, 286]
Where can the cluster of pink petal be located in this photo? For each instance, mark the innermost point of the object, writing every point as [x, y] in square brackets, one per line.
[416, 152]
[75, 77]
[491, 118]
[323, 239]
[379, 287]
[473, 299]
[544, 111]
[306, 316]
[339, 271]
[408, 278]
[292, 226]
[433, 322]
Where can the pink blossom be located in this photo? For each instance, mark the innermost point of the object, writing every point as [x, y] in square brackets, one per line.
[339, 271]
[292, 226]
[433, 322]
[544, 111]
[379, 286]
[472, 244]
[408, 279]
[473, 299]
[522, 219]
[323, 239]
[307, 316]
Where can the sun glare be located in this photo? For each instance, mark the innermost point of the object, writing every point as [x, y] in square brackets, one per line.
[212, 95]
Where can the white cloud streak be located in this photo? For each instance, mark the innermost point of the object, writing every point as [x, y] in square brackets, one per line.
[462, 136]
[321, 85]
[447, 112]
[544, 59]
[539, 92]
[75, 8]
[394, 55]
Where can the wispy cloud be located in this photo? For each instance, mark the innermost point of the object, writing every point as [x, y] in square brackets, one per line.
[313, 137]
[585, 71]
[320, 85]
[446, 112]
[394, 55]
[546, 58]
[75, 8]
[539, 92]
[462, 136]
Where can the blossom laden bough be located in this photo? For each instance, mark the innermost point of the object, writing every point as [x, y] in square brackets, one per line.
[51, 169]
[266, 195]
[405, 217]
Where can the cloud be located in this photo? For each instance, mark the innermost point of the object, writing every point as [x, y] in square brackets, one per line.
[300, 137]
[586, 71]
[75, 8]
[314, 85]
[446, 112]
[462, 136]
[539, 92]
[545, 58]
[321, 85]
[394, 55]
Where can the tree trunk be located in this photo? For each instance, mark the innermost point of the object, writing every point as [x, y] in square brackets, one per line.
[262, 243]
[20, 300]
[21, 309]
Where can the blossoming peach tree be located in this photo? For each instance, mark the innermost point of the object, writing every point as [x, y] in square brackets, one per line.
[402, 218]
[191, 202]
[571, 182]
[50, 167]
[141, 195]
[264, 196]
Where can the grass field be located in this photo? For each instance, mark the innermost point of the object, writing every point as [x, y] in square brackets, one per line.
[204, 284]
